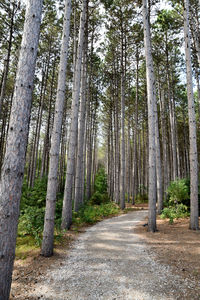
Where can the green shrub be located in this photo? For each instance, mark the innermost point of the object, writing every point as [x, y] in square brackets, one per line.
[98, 198]
[32, 209]
[100, 183]
[178, 192]
[100, 188]
[35, 196]
[91, 214]
[141, 198]
[31, 223]
[175, 212]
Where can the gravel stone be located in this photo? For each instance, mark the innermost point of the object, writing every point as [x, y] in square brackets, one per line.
[109, 261]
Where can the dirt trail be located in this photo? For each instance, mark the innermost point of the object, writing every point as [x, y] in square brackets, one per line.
[109, 261]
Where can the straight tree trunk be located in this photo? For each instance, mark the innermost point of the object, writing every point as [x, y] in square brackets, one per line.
[67, 201]
[151, 120]
[33, 157]
[123, 167]
[39, 124]
[48, 233]
[158, 165]
[7, 62]
[194, 211]
[135, 153]
[128, 160]
[14, 161]
[171, 117]
[45, 156]
[117, 152]
[78, 200]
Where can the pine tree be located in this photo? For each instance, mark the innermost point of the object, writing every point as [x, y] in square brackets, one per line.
[14, 161]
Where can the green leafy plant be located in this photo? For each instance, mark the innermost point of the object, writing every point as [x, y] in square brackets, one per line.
[91, 214]
[177, 201]
[141, 198]
[100, 188]
[178, 191]
[175, 212]
[31, 223]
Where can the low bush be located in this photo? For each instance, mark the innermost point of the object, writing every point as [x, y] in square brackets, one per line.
[177, 200]
[32, 210]
[141, 198]
[31, 223]
[100, 183]
[91, 214]
[175, 212]
[100, 189]
[99, 198]
[178, 192]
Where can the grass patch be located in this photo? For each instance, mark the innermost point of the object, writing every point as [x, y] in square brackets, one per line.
[25, 246]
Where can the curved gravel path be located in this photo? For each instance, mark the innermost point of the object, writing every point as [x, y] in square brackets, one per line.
[110, 262]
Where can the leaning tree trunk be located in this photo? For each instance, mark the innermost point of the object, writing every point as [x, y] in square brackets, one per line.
[151, 120]
[14, 161]
[67, 201]
[194, 211]
[48, 234]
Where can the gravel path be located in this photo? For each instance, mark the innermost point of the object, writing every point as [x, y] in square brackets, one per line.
[110, 262]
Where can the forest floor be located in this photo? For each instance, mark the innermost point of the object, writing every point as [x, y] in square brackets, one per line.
[115, 259]
[175, 245]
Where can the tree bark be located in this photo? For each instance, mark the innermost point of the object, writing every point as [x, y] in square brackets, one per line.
[7, 62]
[67, 201]
[194, 211]
[14, 161]
[123, 167]
[78, 200]
[48, 234]
[151, 120]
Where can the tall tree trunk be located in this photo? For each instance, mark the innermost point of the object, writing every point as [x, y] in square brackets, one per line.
[117, 152]
[33, 157]
[67, 201]
[14, 161]
[39, 123]
[194, 211]
[158, 165]
[123, 167]
[78, 200]
[135, 153]
[45, 156]
[171, 117]
[7, 62]
[129, 159]
[48, 234]
[151, 120]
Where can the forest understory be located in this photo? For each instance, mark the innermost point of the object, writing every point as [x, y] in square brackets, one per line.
[174, 245]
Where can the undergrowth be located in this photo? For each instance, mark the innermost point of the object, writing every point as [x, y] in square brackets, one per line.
[177, 201]
[32, 210]
[90, 214]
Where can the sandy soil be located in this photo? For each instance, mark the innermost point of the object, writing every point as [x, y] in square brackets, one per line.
[115, 259]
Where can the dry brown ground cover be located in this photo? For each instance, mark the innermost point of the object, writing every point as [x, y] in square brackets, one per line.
[175, 245]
